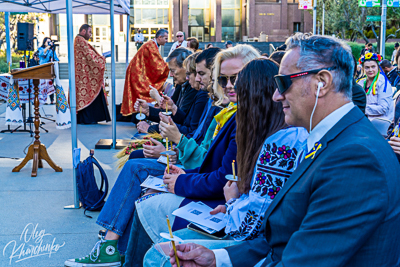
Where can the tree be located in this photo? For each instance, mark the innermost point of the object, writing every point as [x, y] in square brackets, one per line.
[14, 19]
[347, 20]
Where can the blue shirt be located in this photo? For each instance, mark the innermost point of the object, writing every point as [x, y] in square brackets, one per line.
[46, 57]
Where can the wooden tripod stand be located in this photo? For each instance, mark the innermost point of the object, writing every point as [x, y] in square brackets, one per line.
[37, 151]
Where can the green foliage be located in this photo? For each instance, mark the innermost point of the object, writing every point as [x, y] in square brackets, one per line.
[356, 49]
[3, 61]
[344, 15]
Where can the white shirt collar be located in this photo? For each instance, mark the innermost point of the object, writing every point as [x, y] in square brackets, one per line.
[326, 124]
[155, 40]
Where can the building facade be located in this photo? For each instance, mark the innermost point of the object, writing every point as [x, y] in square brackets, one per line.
[221, 20]
[207, 20]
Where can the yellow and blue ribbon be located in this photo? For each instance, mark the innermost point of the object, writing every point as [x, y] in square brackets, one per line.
[314, 150]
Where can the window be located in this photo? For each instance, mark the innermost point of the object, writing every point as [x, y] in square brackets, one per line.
[199, 20]
[296, 27]
[231, 20]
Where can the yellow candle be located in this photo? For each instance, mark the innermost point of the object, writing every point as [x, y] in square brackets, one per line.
[173, 242]
[166, 141]
[168, 164]
[140, 110]
[166, 108]
[233, 169]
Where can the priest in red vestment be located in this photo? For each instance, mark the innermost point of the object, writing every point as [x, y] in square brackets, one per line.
[91, 103]
[146, 68]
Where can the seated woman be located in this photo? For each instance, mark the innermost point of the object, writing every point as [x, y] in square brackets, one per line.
[206, 116]
[206, 181]
[378, 89]
[268, 151]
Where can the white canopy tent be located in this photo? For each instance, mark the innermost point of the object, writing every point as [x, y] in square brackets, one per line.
[121, 7]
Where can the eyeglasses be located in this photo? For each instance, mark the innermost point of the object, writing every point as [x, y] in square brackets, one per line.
[284, 82]
[223, 80]
[179, 36]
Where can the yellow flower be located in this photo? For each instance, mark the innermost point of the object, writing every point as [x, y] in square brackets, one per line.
[368, 55]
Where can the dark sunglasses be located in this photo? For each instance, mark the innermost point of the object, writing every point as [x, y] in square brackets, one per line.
[283, 82]
[223, 80]
[179, 36]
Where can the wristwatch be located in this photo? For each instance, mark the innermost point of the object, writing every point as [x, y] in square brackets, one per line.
[230, 202]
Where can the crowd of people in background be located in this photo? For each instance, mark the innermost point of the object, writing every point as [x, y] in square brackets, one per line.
[314, 132]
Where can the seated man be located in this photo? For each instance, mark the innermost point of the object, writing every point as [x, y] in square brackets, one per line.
[313, 221]
[203, 63]
[391, 72]
[190, 101]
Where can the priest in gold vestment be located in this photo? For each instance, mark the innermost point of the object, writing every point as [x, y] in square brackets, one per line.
[146, 68]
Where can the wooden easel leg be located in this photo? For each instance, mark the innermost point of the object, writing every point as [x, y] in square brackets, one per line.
[37, 151]
[27, 158]
[46, 157]
[35, 162]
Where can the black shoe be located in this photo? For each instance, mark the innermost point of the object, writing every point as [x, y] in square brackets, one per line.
[102, 234]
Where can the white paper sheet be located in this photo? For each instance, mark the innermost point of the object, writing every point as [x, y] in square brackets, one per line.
[200, 214]
[154, 183]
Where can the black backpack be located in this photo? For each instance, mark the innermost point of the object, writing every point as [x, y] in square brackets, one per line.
[91, 197]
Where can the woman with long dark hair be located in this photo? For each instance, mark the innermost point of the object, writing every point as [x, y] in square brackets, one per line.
[267, 154]
[46, 52]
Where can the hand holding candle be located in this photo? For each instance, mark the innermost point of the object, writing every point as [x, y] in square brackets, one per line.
[173, 242]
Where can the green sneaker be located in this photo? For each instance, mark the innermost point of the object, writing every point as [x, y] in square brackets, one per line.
[103, 254]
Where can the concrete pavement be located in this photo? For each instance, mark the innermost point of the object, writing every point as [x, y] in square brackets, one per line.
[32, 213]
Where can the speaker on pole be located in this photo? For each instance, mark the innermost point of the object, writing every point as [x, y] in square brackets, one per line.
[25, 36]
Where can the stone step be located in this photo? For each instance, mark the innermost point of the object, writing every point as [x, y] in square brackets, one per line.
[120, 70]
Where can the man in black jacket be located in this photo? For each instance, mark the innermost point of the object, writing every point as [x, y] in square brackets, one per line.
[390, 72]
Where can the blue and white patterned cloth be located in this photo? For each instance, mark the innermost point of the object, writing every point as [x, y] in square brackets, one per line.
[276, 162]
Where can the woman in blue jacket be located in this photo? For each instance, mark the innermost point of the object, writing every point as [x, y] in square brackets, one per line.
[47, 54]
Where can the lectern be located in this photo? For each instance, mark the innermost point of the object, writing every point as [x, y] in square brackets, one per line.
[37, 151]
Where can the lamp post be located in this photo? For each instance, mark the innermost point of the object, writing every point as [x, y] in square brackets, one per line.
[383, 28]
[323, 18]
[315, 17]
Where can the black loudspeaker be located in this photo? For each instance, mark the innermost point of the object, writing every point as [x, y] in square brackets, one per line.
[25, 36]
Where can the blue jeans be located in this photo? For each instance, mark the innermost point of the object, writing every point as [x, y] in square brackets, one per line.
[117, 213]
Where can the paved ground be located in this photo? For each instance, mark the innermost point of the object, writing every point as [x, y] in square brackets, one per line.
[32, 210]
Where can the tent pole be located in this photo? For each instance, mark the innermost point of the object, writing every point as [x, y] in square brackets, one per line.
[114, 112]
[7, 25]
[127, 38]
[72, 93]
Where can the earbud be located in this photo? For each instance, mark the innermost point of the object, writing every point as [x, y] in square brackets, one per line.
[320, 84]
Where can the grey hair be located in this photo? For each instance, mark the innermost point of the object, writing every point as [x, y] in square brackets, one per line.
[161, 32]
[180, 54]
[323, 52]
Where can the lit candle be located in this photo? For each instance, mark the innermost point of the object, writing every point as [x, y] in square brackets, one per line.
[233, 169]
[168, 164]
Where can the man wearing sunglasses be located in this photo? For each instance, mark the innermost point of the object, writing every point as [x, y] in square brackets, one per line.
[180, 42]
[340, 207]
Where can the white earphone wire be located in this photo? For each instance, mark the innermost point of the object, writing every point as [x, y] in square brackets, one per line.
[320, 84]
